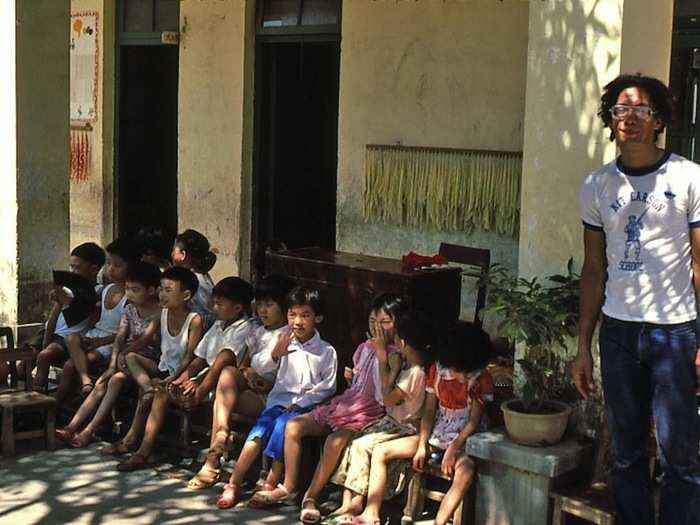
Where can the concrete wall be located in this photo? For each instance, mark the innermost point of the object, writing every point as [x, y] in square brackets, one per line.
[448, 74]
[34, 153]
[211, 124]
[87, 197]
[575, 48]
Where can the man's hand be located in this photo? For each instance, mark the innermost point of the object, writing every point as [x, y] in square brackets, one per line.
[282, 347]
[189, 387]
[582, 373]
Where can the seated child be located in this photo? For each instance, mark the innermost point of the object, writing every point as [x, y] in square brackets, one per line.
[93, 350]
[243, 389]
[458, 389]
[191, 250]
[222, 345]
[154, 246]
[354, 409]
[403, 404]
[137, 335]
[49, 344]
[306, 376]
[180, 331]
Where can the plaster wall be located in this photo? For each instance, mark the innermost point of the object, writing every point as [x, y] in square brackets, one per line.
[35, 226]
[424, 73]
[574, 49]
[211, 124]
[87, 197]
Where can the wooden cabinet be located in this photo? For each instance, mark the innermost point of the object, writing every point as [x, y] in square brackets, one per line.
[349, 281]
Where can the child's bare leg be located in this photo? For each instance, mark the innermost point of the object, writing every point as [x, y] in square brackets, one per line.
[74, 343]
[294, 432]
[245, 460]
[114, 386]
[382, 454]
[461, 481]
[142, 370]
[138, 423]
[69, 375]
[87, 408]
[44, 360]
[154, 423]
[332, 451]
[274, 474]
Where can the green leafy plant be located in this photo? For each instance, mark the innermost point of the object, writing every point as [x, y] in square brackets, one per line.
[540, 314]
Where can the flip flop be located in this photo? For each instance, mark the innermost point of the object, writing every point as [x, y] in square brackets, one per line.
[229, 497]
[310, 515]
[135, 462]
[199, 482]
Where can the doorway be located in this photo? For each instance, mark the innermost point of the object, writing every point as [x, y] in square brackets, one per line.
[147, 162]
[297, 142]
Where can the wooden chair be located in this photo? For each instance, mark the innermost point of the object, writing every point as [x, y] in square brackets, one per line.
[469, 256]
[15, 401]
[418, 493]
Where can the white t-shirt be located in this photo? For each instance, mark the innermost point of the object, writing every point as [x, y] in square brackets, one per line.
[412, 382]
[217, 338]
[646, 216]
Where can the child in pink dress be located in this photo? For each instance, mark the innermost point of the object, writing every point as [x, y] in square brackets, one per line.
[360, 405]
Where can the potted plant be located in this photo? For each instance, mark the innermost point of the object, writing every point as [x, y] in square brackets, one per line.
[538, 315]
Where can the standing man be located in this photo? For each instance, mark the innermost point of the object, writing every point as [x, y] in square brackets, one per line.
[648, 347]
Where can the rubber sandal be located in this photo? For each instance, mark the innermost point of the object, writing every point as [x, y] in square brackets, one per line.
[64, 435]
[118, 448]
[135, 462]
[230, 496]
[310, 515]
[199, 482]
[264, 498]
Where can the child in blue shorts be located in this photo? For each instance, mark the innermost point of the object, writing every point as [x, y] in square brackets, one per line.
[306, 376]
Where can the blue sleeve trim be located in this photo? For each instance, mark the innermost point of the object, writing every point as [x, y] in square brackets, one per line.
[695, 224]
[595, 228]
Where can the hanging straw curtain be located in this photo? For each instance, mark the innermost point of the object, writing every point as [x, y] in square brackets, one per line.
[447, 189]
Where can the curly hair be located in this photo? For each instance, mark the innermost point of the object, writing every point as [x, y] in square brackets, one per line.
[658, 92]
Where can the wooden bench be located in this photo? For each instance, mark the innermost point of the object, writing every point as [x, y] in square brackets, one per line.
[14, 401]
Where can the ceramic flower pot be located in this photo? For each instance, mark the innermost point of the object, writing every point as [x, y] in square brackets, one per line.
[537, 430]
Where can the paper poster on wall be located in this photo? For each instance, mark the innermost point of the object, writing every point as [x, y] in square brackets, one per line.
[83, 66]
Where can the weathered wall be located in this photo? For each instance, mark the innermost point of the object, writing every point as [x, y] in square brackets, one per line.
[448, 74]
[87, 197]
[34, 153]
[575, 48]
[211, 124]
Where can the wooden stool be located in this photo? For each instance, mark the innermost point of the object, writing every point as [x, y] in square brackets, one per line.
[592, 503]
[417, 494]
[14, 401]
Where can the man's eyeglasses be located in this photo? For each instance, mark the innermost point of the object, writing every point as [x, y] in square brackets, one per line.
[641, 112]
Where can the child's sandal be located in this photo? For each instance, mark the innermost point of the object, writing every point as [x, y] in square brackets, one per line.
[265, 498]
[135, 462]
[81, 440]
[118, 448]
[310, 514]
[230, 496]
[65, 435]
[199, 481]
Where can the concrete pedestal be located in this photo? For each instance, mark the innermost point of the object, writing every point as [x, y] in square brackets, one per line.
[513, 481]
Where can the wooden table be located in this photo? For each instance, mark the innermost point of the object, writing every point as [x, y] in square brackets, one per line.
[349, 281]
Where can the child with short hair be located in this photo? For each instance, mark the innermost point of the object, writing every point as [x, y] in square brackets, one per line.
[243, 389]
[354, 409]
[93, 349]
[137, 335]
[458, 389]
[222, 345]
[306, 377]
[155, 246]
[50, 344]
[403, 401]
[178, 286]
[191, 250]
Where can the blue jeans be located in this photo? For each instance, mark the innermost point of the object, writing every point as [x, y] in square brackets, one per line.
[650, 369]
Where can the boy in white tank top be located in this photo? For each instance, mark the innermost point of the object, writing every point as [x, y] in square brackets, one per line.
[177, 287]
